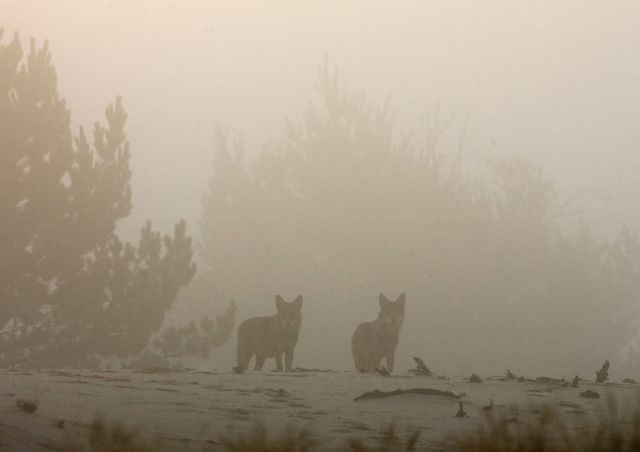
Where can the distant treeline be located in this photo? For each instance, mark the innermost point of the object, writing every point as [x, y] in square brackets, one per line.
[338, 209]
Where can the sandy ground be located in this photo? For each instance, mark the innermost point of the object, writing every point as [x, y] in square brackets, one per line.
[188, 410]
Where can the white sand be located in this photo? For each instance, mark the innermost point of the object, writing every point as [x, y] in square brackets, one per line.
[190, 409]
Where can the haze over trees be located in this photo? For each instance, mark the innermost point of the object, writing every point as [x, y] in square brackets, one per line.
[341, 208]
[70, 289]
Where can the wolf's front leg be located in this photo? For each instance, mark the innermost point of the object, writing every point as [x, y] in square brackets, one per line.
[390, 359]
[288, 359]
[279, 361]
[259, 362]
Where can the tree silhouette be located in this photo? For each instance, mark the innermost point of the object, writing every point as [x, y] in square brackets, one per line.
[70, 289]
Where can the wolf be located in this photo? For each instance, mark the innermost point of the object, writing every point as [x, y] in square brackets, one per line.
[271, 336]
[375, 340]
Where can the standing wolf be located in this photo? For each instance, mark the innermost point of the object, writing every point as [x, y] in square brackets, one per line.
[270, 337]
[375, 340]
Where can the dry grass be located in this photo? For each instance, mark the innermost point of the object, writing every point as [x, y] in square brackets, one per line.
[113, 438]
[544, 432]
[549, 433]
[27, 405]
[257, 440]
[388, 441]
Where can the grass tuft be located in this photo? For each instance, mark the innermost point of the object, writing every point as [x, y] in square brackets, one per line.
[27, 405]
[388, 441]
[113, 438]
[257, 440]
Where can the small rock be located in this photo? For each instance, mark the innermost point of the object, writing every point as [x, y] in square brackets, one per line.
[475, 379]
[589, 394]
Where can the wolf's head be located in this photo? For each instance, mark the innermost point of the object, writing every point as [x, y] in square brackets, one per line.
[391, 313]
[289, 314]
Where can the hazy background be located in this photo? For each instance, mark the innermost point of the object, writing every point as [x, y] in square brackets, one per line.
[557, 83]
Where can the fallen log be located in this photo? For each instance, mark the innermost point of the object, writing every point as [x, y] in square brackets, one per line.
[552, 381]
[377, 394]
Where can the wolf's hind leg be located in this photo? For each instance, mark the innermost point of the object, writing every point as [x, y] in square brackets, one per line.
[390, 360]
[243, 357]
[259, 362]
[288, 359]
[245, 360]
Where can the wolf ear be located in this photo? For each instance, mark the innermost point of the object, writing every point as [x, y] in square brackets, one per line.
[279, 302]
[298, 302]
[401, 299]
[382, 300]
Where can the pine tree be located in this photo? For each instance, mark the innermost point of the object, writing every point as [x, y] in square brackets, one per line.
[70, 290]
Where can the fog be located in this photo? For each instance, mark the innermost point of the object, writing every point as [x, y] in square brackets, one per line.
[555, 84]
[559, 84]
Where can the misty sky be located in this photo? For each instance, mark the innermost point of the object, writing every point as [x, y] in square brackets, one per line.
[557, 82]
